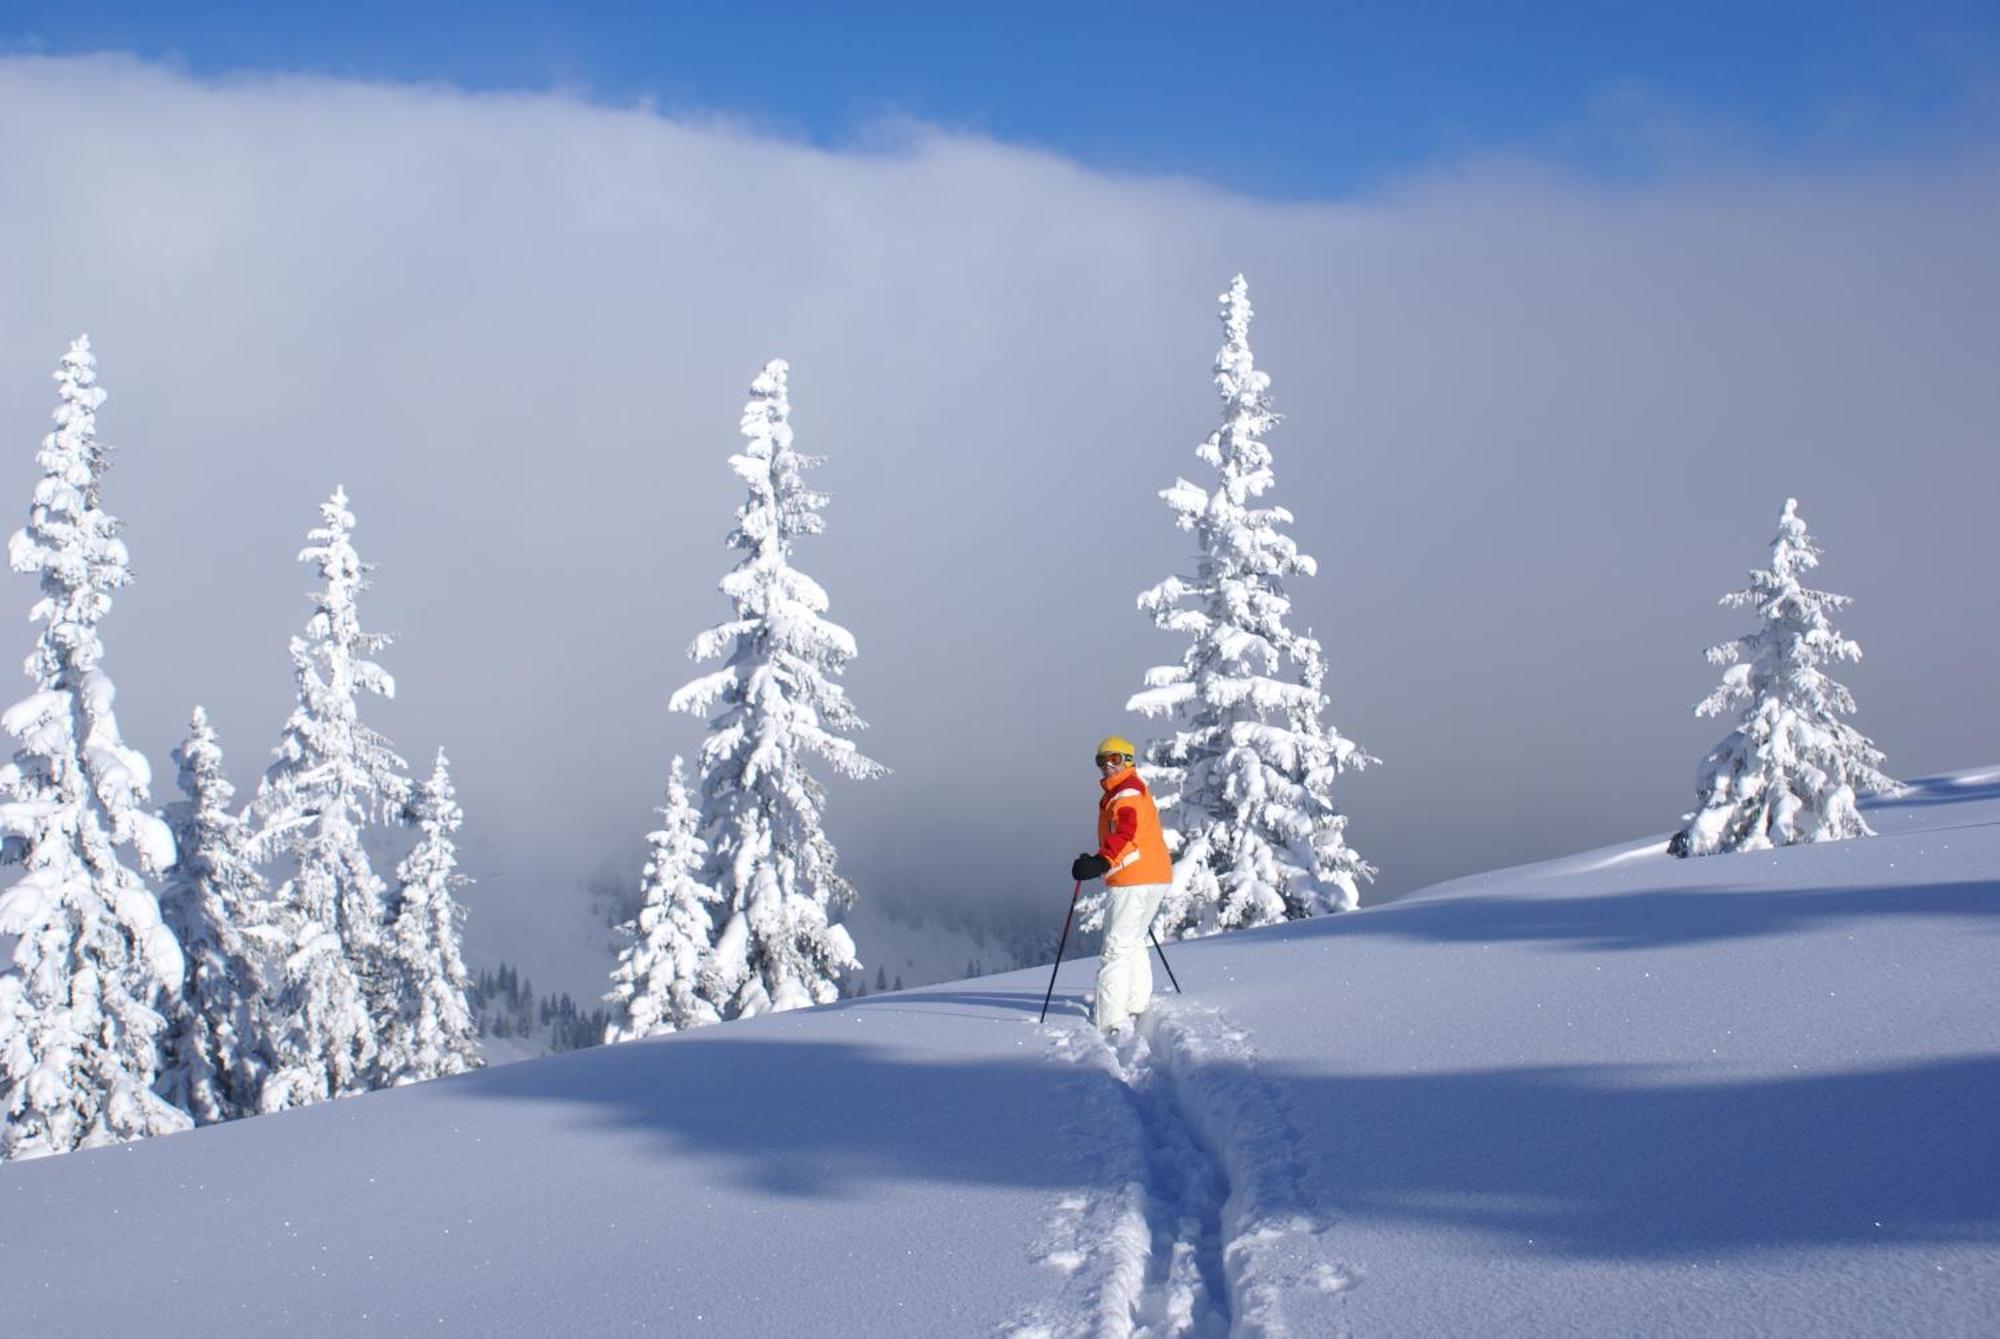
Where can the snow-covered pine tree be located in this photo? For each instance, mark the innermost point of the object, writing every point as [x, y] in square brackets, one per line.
[1791, 769]
[1245, 782]
[81, 999]
[657, 985]
[434, 1032]
[332, 778]
[769, 860]
[219, 1040]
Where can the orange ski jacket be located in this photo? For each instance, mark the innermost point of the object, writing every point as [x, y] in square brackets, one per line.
[1128, 833]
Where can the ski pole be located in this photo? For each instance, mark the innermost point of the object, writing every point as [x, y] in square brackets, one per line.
[1163, 959]
[1059, 952]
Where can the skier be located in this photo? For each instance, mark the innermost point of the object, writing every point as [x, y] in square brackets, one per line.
[1132, 860]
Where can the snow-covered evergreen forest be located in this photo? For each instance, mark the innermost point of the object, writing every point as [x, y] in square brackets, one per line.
[197, 962]
[236, 962]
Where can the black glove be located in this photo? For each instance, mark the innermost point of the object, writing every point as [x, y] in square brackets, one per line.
[1089, 867]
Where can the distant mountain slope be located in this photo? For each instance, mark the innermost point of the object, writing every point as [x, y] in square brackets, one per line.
[1611, 1094]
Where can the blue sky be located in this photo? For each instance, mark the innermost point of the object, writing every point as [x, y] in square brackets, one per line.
[1292, 101]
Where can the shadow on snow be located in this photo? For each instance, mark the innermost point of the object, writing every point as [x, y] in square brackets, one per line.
[1618, 1162]
[1936, 790]
[1610, 1163]
[1655, 918]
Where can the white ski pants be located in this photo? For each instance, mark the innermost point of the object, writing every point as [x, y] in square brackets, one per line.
[1124, 971]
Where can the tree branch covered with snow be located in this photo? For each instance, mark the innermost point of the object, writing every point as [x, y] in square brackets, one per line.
[430, 1031]
[81, 999]
[775, 703]
[332, 777]
[665, 952]
[1792, 768]
[219, 1048]
[1246, 779]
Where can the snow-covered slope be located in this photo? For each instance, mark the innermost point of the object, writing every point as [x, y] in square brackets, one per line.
[1613, 1094]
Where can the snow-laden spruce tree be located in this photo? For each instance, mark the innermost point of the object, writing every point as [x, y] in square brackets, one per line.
[1246, 779]
[82, 999]
[433, 1031]
[1791, 769]
[332, 778]
[769, 860]
[657, 985]
[219, 1043]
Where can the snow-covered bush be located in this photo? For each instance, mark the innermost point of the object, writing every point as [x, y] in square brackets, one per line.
[1245, 782]
[81, 999]
[332, 778]
[769, 860]
[657, 984]
[1792, 768]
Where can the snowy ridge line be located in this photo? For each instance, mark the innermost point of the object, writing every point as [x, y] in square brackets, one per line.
[1204, 1235]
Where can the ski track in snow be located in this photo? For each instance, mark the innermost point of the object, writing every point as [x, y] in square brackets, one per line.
[1205, 1234]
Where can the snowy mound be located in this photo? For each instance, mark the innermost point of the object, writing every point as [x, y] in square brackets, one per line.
[1613, 1094]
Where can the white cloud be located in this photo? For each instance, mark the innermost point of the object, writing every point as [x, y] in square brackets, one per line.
[1535, 427]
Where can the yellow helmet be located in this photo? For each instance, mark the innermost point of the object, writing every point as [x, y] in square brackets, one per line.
[1117, 744]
